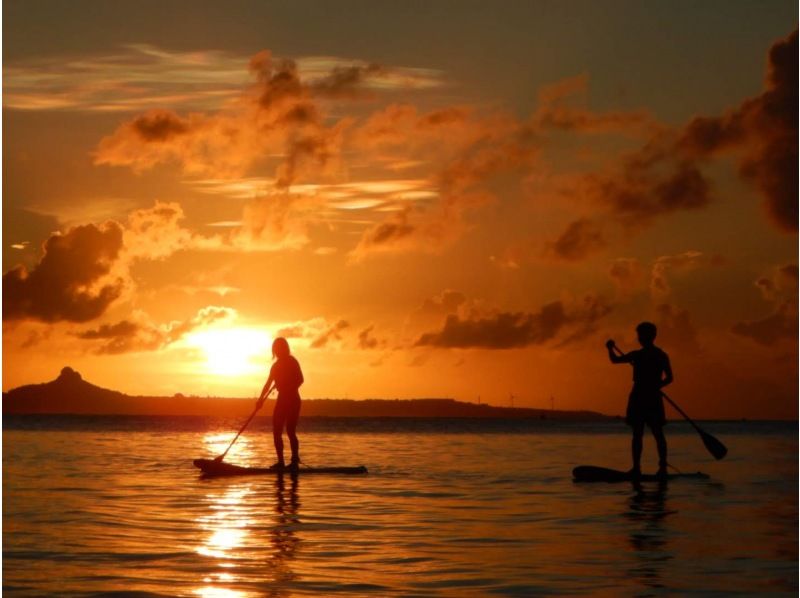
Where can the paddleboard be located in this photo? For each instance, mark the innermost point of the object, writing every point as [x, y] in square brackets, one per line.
[592, 473]
[212, 468]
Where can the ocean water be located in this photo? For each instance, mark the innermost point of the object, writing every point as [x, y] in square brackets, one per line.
[98, 506]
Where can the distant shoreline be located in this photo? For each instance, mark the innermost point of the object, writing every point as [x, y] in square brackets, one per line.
[70, 394]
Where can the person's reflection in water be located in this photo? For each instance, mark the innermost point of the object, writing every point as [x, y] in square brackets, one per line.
[647, 508]
[283, 540]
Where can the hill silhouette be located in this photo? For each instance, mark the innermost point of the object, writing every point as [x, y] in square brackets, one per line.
[69, 393]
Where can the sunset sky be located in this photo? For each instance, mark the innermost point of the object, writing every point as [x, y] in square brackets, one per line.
[428, 199]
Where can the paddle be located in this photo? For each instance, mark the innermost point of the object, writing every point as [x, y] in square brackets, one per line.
[249, 419]
[714, 446]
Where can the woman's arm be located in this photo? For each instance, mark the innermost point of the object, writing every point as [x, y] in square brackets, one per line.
[266, 390]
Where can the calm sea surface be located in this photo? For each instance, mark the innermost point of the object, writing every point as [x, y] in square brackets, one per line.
[97, 506]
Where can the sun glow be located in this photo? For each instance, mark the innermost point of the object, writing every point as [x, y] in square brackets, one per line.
[232, 351]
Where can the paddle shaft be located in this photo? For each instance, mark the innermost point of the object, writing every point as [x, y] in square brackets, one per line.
[249, 419]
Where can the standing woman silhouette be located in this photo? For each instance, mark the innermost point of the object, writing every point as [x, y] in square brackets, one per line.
[287, 377]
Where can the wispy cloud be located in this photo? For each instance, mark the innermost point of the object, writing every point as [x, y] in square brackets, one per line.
[141, 76]
[140, 334]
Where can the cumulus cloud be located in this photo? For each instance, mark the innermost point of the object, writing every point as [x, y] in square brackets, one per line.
[469, 150]
[86, 268]
[763, 130]
[581, 238]
[277, 121]
[780, 290]
[157, 233]
[649, 183]
[508, 330]
[72, 282]
[272, 222]
[269, 223]
[142, 335]
[433, 310]
[665, 174]
[279, 114]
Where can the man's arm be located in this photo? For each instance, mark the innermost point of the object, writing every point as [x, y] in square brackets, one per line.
[667, 372]
[615, 354]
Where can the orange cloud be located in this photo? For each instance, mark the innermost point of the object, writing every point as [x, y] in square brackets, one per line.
[141, 76]
[664, 265]
[367, 341]
[581, 238]
[129, 336]
[332, 333]
[562, 106]
[319, 331]
[664, 175]
[508, 330]
[279, 113]
[471, 152]
[764, 130]
[72, 282]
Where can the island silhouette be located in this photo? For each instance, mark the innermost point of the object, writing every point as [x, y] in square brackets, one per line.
[70, 394]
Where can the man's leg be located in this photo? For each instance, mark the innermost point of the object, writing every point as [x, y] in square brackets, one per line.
[661, 444]
[636, 446]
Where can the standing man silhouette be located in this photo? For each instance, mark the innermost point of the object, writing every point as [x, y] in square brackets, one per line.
[651, 372]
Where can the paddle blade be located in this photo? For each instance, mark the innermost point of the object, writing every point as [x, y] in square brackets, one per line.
[714, 446]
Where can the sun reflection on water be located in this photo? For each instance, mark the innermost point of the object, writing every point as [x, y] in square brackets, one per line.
[237, 524]
[214, 592]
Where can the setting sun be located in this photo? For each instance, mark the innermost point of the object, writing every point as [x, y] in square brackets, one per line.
[232, 351]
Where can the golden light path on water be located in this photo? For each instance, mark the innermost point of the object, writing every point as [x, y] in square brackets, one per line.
[226, 527]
